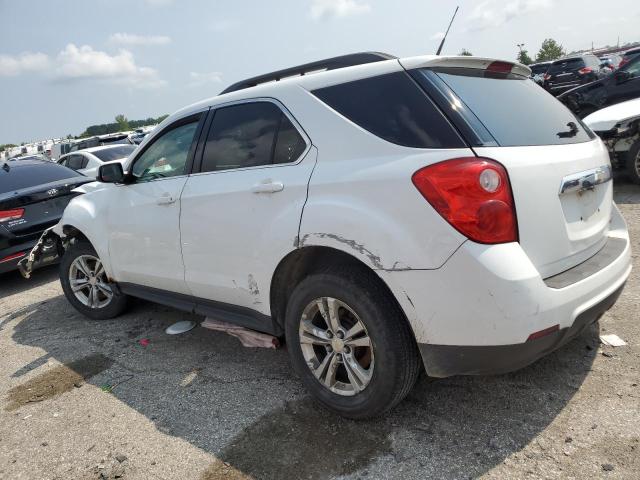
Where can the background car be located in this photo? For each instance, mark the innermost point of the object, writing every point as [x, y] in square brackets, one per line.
[610, 62]
[538, 70]
[87, 161]
[571, 72]
[33, 195]
[622, 85]
[629, 55]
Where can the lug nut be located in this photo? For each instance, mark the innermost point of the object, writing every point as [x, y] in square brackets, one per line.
[340, 334]
[329, 334]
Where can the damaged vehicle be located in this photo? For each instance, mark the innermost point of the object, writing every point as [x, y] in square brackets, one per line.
[619, 128]
[383, 215]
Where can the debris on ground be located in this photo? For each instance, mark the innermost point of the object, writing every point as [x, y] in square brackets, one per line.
[612, 340]
[144, 342]
[248, 338]
[180, 327]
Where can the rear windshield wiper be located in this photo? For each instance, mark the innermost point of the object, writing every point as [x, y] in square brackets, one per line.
[573, 131]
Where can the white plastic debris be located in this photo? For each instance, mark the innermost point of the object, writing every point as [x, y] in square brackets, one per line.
[612, 340]
[180, 327]
[248, 338]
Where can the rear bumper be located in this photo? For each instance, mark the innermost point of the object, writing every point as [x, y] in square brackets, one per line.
[49, 257]
[476, 313]
[448, 360]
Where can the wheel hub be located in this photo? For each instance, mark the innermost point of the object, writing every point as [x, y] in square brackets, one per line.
[337, 345]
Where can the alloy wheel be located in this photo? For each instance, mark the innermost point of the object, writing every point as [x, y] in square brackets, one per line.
[336, 346]
[88, 282]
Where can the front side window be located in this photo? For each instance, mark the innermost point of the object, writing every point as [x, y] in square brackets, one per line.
[250, 135]
[167, 155]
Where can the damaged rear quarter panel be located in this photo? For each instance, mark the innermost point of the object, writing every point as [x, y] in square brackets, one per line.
[370, 209]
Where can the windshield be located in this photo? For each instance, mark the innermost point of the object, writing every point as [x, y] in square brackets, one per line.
[17, 175]
[514, 110]
[564, 65]
[114, 153]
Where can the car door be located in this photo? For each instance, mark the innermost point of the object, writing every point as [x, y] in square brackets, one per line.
[241, 212]
[143, 220]
[626, 83]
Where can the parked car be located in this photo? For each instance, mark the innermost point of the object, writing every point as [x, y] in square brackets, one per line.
[538, 70]
[619, 128]
[609, 63]
[87, 161]
[99, 140]
[629, 55]
[570, 72]
[33, 194]
[381, 215]
[622, 85]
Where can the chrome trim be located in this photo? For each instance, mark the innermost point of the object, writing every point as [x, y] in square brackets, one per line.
[587, 180]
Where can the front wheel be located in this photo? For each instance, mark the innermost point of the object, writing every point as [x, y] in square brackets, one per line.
[86, 286]
[350, 343]
[633, 163]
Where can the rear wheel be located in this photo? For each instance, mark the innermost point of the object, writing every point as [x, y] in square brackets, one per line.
[86, 286]
[350, 344]
[633, 163]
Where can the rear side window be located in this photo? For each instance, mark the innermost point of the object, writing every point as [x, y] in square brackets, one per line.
[75, 162]
[250, 135]
[514, 110]
[394, 108]
[114, 153]
[16, 177]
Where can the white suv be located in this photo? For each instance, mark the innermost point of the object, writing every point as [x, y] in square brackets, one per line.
[382, 214]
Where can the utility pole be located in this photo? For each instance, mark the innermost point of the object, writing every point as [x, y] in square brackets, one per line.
[447, 32]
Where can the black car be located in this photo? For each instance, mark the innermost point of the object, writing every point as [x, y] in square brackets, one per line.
[621, 85]
[33, 195]
[571, 72]
[629, 55]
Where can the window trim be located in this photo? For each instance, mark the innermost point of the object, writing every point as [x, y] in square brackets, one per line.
[197, 170]
[200, 117]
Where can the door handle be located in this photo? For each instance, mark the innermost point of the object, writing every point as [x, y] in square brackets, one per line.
[165, 199]
[267, 186]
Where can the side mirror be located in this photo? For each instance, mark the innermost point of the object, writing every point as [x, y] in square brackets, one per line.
[622, 76]
[111, 173]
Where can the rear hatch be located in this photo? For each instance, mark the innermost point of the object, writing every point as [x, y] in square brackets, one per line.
[564, 73]
[543, 146]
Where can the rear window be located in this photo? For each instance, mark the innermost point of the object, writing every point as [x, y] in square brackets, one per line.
[536, 69]
[514, 110]
[16, 177]
[565, 65]
[114, 153]
[394, 108]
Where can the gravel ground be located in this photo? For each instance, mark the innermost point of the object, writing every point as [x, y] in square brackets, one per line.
[84, 399]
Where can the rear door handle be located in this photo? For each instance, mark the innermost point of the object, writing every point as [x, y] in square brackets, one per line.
[165, 199]
[267, 186]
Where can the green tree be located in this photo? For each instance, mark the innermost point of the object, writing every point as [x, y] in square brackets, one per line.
[465, 53]
[524, 58]
[123, 123]
[550, 50]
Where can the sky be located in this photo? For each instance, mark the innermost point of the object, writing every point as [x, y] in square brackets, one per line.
[68, 64]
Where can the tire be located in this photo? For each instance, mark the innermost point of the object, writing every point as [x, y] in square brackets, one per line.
[388, 367]
[633, 163]
[103, 307]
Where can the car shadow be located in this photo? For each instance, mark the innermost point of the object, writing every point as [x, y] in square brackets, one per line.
[246, 407]
[12, 282]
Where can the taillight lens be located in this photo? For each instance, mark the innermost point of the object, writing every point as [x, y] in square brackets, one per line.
[473, 195]
[7, 215]
[585, 70]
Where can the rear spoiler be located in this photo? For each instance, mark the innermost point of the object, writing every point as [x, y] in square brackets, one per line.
[479, 63]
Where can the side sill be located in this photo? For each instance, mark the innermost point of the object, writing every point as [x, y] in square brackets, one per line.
[241, 316]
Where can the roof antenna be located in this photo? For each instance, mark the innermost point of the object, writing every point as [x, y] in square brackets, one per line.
[447, 32]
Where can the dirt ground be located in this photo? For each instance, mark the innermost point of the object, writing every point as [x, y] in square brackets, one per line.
[85, 399]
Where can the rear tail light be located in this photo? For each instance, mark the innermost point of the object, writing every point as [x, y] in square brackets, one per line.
[546, 76]
[585, 70]
[500, 67]
[13, 256]
[623, 62]
[473, 195]
[8, 215]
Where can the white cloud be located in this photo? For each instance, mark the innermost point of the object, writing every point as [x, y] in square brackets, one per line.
[200, 79]
[86, 63]
[131, 39]
[491, 14]
[321, 9]
[437, 36]
[23, 63]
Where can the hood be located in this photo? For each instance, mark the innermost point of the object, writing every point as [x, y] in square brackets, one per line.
[609, 117]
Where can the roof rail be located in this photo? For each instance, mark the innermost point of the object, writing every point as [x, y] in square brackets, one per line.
[321, 65]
